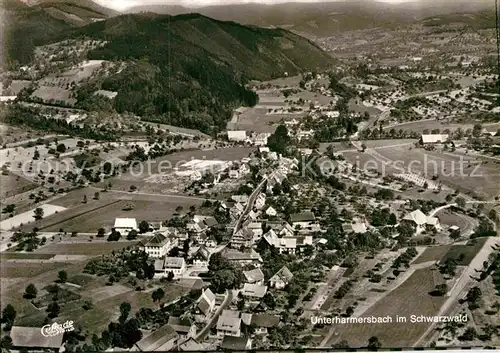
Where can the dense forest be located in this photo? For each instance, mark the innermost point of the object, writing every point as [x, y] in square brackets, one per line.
[190, 70]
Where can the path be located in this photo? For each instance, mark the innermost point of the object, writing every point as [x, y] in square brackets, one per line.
[159, 195]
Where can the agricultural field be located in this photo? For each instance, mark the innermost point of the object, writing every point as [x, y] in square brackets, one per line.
[410, 298]
[14, 184]
[466, 173]
[432, 253]
[420, 126]
[85, 248]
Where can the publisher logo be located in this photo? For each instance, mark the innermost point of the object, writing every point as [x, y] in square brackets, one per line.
[57, 329]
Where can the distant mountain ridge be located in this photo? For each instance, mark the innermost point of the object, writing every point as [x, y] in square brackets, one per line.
[324, 18]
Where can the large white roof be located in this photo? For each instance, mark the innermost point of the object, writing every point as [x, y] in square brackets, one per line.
[126, 223]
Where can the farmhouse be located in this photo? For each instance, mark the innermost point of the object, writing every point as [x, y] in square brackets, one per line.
[229, 324]
[255, 276]
[163, 339]
[206, 303]
[176, 265]
[263, 322]
[125, 225]
[31, 339]
[183, 326]
[253, 290]
[237, 136]
[302, 220]
[201, 257]
[433, 138]
[419, 220]
[281, 278]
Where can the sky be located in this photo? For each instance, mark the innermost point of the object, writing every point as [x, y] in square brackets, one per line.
[121, 5]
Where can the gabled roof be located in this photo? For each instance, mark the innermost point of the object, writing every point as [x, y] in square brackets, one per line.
[284, 274]
[416, 216]
[228, 323]
[190, 346]
[302, 217]
[202, 252]
[254, 275]
[253, 290]
[180, 325]
[157, 240]
[265, 320]
[157, 338]
[27, 337]
[173, 262]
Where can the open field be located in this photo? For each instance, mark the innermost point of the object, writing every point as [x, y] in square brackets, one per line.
[96, 214]
[410, 298]
[463, 172]
[14, 184]
[467, 252]
[27, 217]
[88, 248]
[432, 253]
[420, 126]
[26, 269]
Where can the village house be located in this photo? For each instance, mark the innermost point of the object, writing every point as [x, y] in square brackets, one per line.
[242, 199]
[420, 221]
[262, 322]
[183, 326]
[253, 291]
[302, 220]
[159, 245]
[189, 345]
[281, 278]
[255, 276]
[237, 136]
[260, 201]
[176, 265]
[200, 224]
[427, 139]
[271, 212]
[163, 339]
[250, 257]
[229, 324]
[205, 305]
[125, 225]
[201, 257]
[243, 237]
[234, 174]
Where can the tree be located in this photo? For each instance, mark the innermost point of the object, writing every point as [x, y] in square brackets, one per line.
[143, 227]
[374, 343]
[9, 208]
[158, 295]
[84, 199]
[53, 309]
[473, 296]
[124, 311]
[97, 195]
[8, 315]
[460, 201]
[279, 140]
[469, 334]
[241, 302]
[30, 291]
[61, 148]
[440, 290]
[132, 234]
[38, 213]
[63, 276]
[101, 232]
[114, 235]
[170, 276]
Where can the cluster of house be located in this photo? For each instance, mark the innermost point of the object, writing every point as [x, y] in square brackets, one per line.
[241, 136]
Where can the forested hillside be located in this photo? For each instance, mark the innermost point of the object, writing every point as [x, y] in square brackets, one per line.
[190, 70]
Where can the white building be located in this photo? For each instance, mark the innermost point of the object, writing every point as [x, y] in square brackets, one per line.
[159, 245]
[238, 136]
[125, 225]
[229, 324]
[176, 265]
[434, 138]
